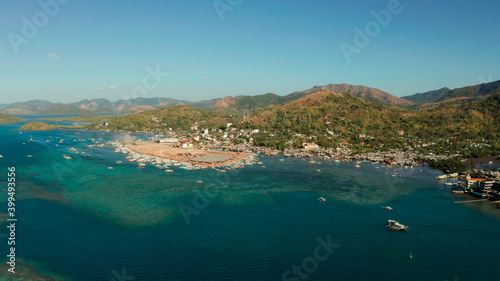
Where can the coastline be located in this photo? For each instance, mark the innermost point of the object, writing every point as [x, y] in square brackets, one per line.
[195, 157]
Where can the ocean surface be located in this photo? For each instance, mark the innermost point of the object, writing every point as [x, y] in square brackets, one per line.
[84, 221]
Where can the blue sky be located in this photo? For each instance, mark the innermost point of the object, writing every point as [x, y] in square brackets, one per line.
[208, 49]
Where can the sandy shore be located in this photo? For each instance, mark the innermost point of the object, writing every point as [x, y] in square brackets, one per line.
[208, 158]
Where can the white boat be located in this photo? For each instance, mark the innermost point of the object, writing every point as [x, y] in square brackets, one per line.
[442, 177]
[1, 156]
[396, 226]
[169, 171]
[321, 199]
[388, 208]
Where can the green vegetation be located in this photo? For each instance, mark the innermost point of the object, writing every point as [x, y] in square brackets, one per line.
[478, 119]
[452, 165]
[469, 129]
[179, 117]
[427, 97]
[7, 119]
[29, 270]
[39, 126]
[252, 104]
[344, 115]
[98, 119]
[476, 91]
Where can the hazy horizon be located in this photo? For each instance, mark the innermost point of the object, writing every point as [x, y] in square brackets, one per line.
[199, 100]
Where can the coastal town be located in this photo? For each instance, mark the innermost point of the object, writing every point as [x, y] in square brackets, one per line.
[229, 148]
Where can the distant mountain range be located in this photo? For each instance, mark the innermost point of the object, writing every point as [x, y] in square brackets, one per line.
[479, 91]
[428, 97]
[6, 119]
[239, 104]
[326, 113]
[247, 105]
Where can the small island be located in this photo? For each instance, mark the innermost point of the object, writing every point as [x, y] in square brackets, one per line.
[8, 119]
[28, 270]
[3, 218]
[38, 126]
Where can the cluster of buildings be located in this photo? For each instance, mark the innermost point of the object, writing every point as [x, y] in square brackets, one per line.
[484, 188]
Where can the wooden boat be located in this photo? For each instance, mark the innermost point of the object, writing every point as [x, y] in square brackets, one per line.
[396, 226]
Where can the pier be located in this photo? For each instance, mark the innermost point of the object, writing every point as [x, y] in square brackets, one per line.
[469, 201]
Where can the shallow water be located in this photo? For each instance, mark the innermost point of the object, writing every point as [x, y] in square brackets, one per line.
[83, 220]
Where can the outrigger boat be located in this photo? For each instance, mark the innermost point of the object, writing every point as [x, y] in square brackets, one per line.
[396, 226]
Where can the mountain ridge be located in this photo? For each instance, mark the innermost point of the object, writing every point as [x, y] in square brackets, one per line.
[245, 105]
[479, 91]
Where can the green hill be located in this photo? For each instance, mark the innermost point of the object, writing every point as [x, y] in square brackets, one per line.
[179, 117]
[349, 116]
[250, 104]
[38, 126]
[476, 91]
[339, 113]
[7, 119]
[428, 97]
[476, 119]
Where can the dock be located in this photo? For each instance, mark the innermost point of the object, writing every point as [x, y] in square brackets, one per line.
[470, 201]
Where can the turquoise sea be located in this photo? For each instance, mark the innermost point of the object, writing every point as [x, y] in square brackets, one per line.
[84, 221]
